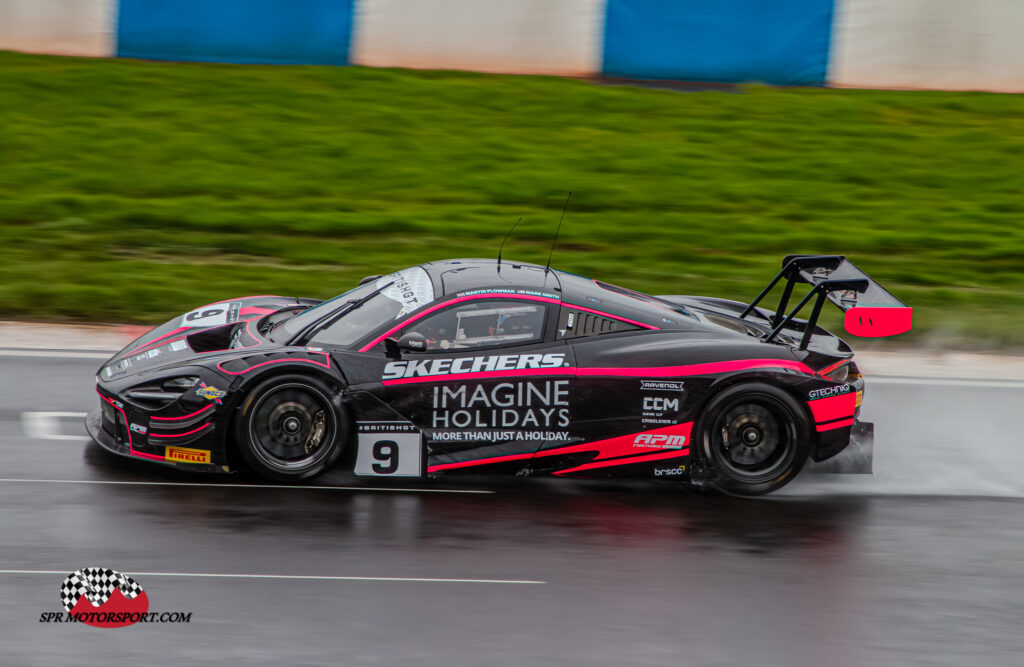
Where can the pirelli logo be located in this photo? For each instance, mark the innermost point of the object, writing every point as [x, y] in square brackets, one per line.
[185, 455]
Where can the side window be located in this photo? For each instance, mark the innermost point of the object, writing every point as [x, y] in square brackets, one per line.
[482, 324]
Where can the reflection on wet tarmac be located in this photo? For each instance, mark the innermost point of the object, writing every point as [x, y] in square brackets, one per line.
[635, 573]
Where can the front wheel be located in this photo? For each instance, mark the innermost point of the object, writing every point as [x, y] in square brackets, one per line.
[288, 429]
[755, 439]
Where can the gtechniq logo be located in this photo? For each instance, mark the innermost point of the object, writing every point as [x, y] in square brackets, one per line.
[105, 598]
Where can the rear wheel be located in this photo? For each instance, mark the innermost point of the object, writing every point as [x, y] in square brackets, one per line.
[755, 439]
[288, 429]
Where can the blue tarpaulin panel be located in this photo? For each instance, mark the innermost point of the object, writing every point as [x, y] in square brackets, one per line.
[237, 31]
[772, 41]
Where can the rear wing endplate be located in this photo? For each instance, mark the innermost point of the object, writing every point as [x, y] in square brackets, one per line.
[871, 310]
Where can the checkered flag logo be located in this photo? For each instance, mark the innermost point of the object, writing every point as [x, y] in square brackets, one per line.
[97, 584]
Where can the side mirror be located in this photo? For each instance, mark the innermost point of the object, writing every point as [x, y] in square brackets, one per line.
[412, 342]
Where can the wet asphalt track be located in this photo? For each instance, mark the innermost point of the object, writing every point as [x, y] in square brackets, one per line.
[919, 564]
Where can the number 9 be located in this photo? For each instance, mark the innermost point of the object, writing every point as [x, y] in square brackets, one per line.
[385, 451]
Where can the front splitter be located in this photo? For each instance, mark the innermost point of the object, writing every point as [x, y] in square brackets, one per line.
[94, 425]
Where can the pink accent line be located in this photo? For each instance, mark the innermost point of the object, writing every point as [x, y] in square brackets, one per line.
[479, 462]
[253, 310]
[128, 429]
[698, 369]
[828, 369]
[278, 361]
[627, 461]
[191, 414]
[625, 445]
[156, 341]
[439, 306]
[249, 332]
[144, 455]
[143, 349]
[240, 347]
[834, 407]
[180, 435]
[599, 464]
[496, 295]
[482, 375]
[609, 315]
[617, 446]
[243, 298]
[834, 425]
[656, 371]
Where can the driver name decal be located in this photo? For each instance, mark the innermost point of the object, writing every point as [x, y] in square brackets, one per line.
[396, 370]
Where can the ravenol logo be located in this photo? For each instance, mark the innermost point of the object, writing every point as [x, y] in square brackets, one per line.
[659, 441]
[210, 392]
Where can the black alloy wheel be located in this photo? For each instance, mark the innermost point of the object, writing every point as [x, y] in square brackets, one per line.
[288, 429]
[755, 439]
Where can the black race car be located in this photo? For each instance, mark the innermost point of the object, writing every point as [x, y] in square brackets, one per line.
[478, 365]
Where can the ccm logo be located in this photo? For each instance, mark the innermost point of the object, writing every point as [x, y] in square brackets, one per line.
[659, 441]
[662, 404]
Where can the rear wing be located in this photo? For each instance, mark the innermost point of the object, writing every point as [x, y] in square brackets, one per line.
[871, 310]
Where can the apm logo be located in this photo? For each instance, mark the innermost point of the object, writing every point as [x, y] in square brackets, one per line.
[659, 441]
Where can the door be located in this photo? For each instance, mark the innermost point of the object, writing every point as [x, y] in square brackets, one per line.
[491, 386]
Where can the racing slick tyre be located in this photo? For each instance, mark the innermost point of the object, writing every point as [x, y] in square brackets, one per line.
[289, 430]
[755, 438]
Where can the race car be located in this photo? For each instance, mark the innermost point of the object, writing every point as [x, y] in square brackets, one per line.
[484, 366]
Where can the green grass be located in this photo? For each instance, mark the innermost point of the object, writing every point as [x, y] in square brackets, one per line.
[131, 191]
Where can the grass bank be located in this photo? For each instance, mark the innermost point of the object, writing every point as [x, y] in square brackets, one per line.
[130, 191]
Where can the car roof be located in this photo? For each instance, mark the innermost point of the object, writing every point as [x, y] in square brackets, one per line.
[453, 277]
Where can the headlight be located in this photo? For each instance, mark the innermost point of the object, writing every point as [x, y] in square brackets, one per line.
[180, 384]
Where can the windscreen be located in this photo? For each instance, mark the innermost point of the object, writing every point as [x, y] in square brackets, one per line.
[408, 290]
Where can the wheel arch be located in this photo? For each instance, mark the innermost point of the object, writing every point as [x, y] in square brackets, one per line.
[709, 411]
[766, 377]
[244, 393]
[771, 378]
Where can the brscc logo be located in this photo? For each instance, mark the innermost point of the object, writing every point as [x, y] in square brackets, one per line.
[103, 598]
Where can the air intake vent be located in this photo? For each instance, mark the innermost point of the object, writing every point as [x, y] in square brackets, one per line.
[577, 324]
[592, 325]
